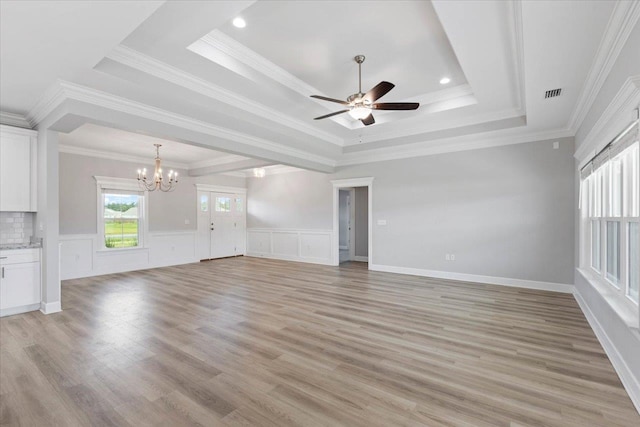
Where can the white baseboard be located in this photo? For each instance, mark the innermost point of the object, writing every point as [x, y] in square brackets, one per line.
[19, 310]
[50, 307]
[320, 261]
[361, 258]
[504, 281]
[344, 248]
[629, 381]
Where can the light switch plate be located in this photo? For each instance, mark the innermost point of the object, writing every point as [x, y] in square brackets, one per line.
[382, 222]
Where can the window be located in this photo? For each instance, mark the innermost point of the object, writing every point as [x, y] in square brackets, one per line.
[613, 252]
[223, 204]
[634, 260]
[595, 245]
[609, 227]
[122, 213]
[204, 203]
[239, 204]
[121, 220]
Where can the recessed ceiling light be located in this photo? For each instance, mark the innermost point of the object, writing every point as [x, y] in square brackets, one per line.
[239, 22]
[444, 80]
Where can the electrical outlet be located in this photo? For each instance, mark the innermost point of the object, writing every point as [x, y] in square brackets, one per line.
[382, 222]
[556, 145]
[453, 257]
[187, 222]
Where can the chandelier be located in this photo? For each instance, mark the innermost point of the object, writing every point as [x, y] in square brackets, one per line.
[157, 182]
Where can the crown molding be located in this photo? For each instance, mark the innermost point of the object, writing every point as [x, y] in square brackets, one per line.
[440, 125]
[62, 91]
[220, 42]
[110, 155]
[50, 100]
[11, 119]
[146, 64]
[623, 19]
[617, 115]
[217, 42]
[449, 145]
[518, 48]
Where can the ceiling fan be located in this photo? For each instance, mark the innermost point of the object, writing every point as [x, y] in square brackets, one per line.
[359, 105]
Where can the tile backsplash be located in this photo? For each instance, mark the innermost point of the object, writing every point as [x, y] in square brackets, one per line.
[16, 227]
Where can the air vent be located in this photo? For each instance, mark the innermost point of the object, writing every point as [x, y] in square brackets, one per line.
[552, 93]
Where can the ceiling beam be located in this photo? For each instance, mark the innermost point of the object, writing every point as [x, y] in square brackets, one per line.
[230, 167]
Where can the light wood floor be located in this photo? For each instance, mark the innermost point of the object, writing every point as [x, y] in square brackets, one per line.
[267, 343]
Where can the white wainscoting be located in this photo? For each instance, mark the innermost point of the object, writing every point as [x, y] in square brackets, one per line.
[312, 246]
[80, 256]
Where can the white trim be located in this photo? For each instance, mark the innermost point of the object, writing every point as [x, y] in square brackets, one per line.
[359, 258]
[151, 66]
[165, 248]
[464, 277]
[220, 189]
[618, 115]
[19, 310]
[348, 183]
[18, 131]
[50, 307]
[630, 383]
[127, 184]
[448, 145]
[62, 91]
[111, 155]
[518, 49]
[16, 120]
[623, 19]
[298, 254]
[211, 45]
[112, 183]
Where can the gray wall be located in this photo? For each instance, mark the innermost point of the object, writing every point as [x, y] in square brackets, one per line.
[362, 221]
[504, 211]
[301, 200]
[167, 211]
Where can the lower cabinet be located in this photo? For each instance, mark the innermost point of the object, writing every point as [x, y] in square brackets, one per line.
[19, 281]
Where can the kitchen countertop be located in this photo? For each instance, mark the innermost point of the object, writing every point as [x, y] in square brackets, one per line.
[10, 246]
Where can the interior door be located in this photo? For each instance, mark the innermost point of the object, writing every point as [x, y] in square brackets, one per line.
[204, 225]
[223, 228]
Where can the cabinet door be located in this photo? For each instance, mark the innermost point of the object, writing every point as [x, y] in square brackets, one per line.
[15, 173]
[20, 285]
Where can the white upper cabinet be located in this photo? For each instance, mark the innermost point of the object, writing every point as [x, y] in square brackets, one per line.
[18, 169]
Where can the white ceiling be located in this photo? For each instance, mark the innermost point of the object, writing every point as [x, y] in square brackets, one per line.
[100, 140]
[180, 71]
[43, 41]
[403, 42]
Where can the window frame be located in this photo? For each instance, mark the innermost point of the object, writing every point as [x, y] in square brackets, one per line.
[108, 185]
[596, 206]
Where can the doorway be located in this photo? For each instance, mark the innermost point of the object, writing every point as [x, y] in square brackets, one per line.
[352, 231]
[221, 222]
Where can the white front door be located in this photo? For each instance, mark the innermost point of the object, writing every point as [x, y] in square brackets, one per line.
[221, 224]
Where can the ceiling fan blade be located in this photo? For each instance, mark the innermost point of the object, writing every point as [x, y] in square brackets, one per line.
[396, 106]
[378, 91]
[369, 120]
[324, 98]
[331, 114]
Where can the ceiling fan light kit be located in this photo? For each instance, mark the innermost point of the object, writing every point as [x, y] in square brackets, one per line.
[360, 105]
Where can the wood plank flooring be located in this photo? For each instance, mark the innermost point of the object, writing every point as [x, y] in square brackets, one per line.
[254, 342]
